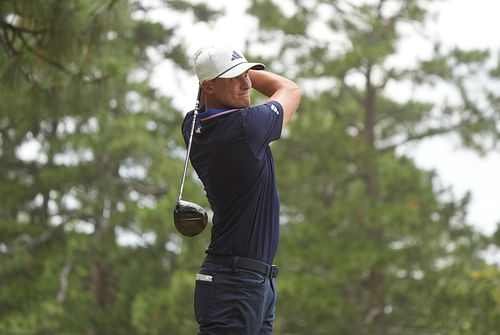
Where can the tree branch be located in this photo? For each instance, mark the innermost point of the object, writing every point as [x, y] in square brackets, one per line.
[8, 43]
[428, 133]
[63, 282]
[33, 243]
[12, 51]
[111, 4]
[45, 58]
[23, 29]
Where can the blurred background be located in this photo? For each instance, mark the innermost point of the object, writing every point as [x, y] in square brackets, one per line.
[387, 172]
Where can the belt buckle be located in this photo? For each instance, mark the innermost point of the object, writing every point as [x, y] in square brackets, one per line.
[274, 271]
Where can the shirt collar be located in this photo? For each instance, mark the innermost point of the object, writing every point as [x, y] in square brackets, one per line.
[213, 113]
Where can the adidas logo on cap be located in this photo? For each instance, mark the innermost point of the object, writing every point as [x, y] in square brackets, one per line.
[235, 56]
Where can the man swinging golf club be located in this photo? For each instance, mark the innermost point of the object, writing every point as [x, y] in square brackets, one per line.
[235, 290]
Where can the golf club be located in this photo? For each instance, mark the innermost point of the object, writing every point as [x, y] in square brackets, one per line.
[190, 219]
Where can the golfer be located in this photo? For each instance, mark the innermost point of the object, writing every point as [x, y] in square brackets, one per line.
[235, 290]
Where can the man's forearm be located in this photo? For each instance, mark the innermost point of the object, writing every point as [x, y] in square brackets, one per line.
[269, 83]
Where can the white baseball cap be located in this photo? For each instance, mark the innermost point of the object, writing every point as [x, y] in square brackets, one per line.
[221, 62]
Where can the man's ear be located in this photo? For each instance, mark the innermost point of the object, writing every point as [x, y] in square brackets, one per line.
[208, 87]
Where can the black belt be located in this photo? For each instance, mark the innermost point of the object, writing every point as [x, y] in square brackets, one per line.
[244, 263]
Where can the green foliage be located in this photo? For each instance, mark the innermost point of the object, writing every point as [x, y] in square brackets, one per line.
[74, 85]
[342, 250]
[272, 17]
[201, 11]
[370, 244]
[160, 310]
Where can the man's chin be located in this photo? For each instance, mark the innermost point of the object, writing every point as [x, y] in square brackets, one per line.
[242, 105]
[246, 104]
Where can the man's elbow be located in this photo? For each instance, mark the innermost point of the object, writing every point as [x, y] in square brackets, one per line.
[295, 95]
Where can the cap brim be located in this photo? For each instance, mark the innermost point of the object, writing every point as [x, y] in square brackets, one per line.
[241, 68]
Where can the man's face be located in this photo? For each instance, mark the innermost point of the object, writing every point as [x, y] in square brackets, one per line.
[232, 92]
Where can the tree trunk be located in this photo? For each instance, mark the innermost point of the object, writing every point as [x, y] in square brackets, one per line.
[99, 284]
[374, 282]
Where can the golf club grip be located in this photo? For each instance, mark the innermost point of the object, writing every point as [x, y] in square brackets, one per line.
[186, 161]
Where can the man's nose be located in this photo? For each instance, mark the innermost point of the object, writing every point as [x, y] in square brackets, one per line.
[245, 82]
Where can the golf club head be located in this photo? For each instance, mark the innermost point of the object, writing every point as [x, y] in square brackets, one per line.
[189, 218]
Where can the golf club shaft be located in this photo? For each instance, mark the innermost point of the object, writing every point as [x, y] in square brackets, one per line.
[195, 114]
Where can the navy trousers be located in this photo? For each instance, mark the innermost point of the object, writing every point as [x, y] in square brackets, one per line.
[234, 301]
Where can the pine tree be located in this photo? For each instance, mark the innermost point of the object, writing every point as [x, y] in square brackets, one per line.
[74, 90]
[370, 243]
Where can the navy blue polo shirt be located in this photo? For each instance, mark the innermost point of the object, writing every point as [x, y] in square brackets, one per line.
[231, 155]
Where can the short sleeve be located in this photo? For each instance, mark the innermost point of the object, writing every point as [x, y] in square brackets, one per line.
[263, 124]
